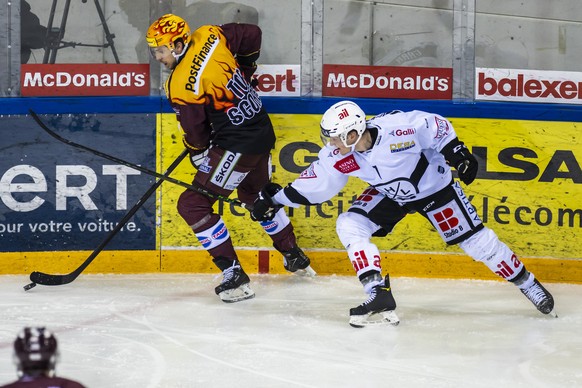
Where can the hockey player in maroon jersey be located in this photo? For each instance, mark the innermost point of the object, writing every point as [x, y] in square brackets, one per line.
[406, 159]
[35, 355]
[228, 133]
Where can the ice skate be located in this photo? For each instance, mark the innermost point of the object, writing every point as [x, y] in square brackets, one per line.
[377, 310]
[235, 285]
[295, 260]
[540, 297]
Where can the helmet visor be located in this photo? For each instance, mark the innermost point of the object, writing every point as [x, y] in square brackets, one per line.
[324, 136]
[159, 52]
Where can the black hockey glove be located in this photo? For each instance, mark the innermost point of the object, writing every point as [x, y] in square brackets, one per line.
[264, 208]
[248, 66]
[458, 156]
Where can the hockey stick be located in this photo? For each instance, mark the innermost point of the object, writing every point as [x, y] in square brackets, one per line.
[57, 280]
[136, 166]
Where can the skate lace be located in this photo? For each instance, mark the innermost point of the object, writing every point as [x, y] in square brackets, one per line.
[228, 274]
[371, 298]
[535, 294]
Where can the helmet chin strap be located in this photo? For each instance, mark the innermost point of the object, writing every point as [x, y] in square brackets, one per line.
[178, 56]
[353, 146]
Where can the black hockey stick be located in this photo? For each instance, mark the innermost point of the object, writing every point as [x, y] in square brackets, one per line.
[136, 166]
[57, 280]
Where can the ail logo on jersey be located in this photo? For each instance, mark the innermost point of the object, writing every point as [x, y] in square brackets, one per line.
[403, 132]
[347, 165]
[399, 147]
[442, 128]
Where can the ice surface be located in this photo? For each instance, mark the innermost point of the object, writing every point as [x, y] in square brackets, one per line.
[172, 331]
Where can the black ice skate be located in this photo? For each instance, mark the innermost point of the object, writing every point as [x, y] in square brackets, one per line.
[295, 260]
[540, 297]
[378, 309]
[235, 285]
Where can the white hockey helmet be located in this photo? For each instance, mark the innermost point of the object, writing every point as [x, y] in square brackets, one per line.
[340, 119]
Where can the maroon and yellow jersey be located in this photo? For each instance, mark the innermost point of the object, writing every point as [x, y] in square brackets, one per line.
[44, 382]
[212, 98]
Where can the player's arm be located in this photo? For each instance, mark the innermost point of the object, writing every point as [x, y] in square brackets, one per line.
[244, 41]
[196, 133]
[318, 183]
[438, 133]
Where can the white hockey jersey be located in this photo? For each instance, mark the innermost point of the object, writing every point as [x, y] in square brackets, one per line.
[404, 163]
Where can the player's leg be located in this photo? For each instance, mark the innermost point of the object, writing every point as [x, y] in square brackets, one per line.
[485, 246]
[371, 214]
[280, 228]
[217, 175]
[457, 222]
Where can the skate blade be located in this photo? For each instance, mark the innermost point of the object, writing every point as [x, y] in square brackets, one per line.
[375, 319]
[307, 271]
[237, 294]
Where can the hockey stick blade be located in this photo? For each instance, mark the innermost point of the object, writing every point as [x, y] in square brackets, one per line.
[57, 280]
[135, 166]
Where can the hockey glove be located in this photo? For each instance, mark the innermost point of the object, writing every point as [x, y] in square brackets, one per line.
[458, 155]
[264, 208]
[197, 157]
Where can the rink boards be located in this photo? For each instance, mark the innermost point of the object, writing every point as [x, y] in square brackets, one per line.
[527, 190]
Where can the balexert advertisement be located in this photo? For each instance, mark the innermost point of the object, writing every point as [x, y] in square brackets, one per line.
[562, 87]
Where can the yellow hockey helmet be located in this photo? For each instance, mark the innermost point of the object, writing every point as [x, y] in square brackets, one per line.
[167, 30]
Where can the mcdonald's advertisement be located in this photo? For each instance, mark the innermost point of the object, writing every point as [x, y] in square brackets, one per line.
[59, 198]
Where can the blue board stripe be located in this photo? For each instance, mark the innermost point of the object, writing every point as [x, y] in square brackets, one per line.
[306, 105]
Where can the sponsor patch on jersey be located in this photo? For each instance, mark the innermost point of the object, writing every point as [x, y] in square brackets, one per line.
[399, 147]
[469, 208]
[403, 132]
[214, 236]
[449, 221]
[225, 174]
[308, 173]
[271, 227]
[442, 128]
[347, 165]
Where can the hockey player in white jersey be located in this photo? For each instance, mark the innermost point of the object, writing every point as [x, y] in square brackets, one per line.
[406, 158]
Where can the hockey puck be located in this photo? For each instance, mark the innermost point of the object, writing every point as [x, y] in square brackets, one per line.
[29, 286]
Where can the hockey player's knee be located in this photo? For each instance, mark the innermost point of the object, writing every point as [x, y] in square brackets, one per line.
[194, 208]
[353, 227]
